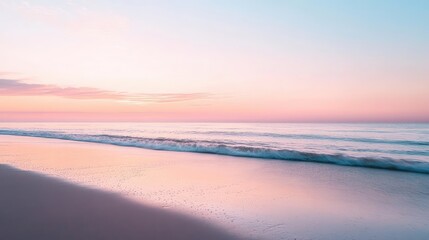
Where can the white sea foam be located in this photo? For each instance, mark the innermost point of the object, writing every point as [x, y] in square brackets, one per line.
[246, 149]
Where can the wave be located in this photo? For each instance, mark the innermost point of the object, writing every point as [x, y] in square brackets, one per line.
[315, 137]
[230, 149]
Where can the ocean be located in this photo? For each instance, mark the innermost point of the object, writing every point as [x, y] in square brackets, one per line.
[402, 147]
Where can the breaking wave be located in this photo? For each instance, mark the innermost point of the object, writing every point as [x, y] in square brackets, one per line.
[231, 149]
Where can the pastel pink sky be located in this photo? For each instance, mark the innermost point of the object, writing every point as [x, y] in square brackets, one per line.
[213, 61]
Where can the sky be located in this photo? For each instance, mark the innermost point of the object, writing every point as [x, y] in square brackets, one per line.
[221, 61]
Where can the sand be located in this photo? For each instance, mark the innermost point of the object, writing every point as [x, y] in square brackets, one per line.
[254, 198]
[37, 207]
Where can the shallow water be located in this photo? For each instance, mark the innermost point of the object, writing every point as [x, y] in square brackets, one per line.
[388, 146]
[259, 199]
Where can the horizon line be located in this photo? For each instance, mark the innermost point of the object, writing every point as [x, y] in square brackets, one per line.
[185, 121]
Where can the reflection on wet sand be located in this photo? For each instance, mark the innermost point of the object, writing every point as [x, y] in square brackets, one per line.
[37, 207]
[259, 198]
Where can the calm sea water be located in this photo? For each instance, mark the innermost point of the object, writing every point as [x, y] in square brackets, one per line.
[390, 146]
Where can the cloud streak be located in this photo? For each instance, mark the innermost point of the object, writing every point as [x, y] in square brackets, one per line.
[12, 87]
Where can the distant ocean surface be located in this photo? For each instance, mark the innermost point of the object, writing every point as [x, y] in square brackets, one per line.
[387, 146]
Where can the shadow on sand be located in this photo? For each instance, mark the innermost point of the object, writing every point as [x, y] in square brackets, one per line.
[35, 207]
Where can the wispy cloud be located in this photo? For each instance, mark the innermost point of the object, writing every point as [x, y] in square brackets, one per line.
[4, 73]
[13, 87]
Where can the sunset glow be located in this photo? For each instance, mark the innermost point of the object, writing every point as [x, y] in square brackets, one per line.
[256, 61]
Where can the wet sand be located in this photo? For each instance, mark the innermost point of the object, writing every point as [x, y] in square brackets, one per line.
[33, 206]
[256, 198]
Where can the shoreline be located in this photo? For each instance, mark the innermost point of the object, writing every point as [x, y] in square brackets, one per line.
[34, 206]
[383, 163]
[261, 199]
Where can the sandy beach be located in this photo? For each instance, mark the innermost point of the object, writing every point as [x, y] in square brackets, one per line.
[203, 195]
[264, 120]
[38, 207]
